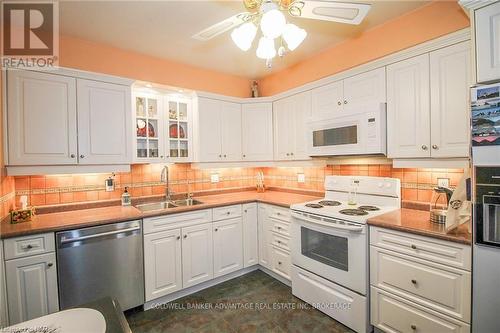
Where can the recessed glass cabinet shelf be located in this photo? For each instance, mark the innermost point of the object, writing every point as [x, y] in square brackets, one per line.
[162, 128]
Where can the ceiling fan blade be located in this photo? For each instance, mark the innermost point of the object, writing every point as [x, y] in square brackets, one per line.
[343, 12]
[222, 26]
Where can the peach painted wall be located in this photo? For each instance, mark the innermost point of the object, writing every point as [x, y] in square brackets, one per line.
[86, 55]
[428, 22]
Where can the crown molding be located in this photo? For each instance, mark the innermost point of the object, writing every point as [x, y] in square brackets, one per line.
[469, 5]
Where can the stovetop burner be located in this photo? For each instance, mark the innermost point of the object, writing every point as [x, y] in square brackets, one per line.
[329, 203]
[369, 208]
[313, 205]
[353, 212]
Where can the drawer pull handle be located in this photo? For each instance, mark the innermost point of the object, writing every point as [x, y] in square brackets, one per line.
[28, 247]
[50, 264]
[216, 229]
[279, 228]
[279, 242]
[178, 237]
[279, 262]
[228, 213]
[278, 213]
[185, 236]
[413, 281]
[413, 327]
[413, 246]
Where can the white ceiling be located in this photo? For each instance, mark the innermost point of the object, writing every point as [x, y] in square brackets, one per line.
[164, 29]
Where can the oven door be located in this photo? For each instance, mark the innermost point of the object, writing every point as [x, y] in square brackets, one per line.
[333, 249]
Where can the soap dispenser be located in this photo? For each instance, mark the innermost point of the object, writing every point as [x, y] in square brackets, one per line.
[126, 200]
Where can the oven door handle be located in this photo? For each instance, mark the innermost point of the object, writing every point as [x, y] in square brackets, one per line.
[332, 224]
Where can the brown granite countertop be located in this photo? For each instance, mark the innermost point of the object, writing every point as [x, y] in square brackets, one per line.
[96, 216]
[418, 222]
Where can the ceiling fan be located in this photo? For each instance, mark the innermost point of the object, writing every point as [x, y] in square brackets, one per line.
[268, 15]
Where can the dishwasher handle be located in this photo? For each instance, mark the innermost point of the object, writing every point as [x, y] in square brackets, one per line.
[102, 234]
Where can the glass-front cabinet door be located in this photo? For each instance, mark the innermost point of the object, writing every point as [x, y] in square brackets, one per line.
[179, 133]
[148, 128]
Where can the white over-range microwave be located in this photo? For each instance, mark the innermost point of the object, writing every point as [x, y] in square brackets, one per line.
[362, 133]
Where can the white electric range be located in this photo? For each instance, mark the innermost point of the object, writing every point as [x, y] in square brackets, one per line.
[330, 245]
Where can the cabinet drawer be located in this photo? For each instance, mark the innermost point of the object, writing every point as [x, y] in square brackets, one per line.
[393, 314]
[167, 222]
[280, 241]
[228, 212]
[281, 262]
[29, 245]
[279, 227]
[443, 252]
[441, 288]
[279, 213]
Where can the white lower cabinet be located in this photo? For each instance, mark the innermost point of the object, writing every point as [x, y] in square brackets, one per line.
[32, 287]
[264, 249]
[162, 263]
[228, 249]
[250, 235]
[281, 262]
[4, 321]
[413, 287]
[197, 254]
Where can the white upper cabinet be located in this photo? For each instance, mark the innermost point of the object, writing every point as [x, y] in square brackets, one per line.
[231, 131]
[349, 95]
[290, 119]
[327, 101]
[408, 108]
[450, 70]
[41, 112]
[487, 27]
[103, 123]
[364, 89]
[219, 131]
[148, 127]
[257, 132]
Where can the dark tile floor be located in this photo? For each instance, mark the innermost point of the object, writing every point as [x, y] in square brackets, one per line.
[245, 304]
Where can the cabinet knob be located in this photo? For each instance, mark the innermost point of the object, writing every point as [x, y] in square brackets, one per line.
[345, 102]
[216, 229]
[279, 262]
[339, 103]
[279, 242]
[220, 155]
[434, 147]
[291, 154]
[185, 236]
[225, 155]
[244, 155]
[82, 156]
[287, 154]
[413, 246]
[72, 155]
[161, 156]
[413, 281]
[50, 264]
[413, 327]
[29, 246]
[178, 237]
[424, 147]
[228, 213]
[245, 210]
[279, 228]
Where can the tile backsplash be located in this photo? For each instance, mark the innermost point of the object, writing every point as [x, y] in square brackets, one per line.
[144, 180]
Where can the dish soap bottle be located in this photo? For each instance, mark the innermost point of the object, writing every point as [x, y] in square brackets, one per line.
[126, 201]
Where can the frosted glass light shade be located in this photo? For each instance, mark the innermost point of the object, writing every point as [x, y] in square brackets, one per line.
[293, 36]
[266, 49]
[272, 23]
[244, 35]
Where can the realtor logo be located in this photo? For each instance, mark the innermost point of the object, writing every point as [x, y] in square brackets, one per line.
[30, 34]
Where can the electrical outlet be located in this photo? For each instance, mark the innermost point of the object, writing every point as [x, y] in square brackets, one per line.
[301, 178]
[443, 182]
[214, 178]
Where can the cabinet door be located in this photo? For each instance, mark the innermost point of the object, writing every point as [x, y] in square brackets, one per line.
[450, 82]
[408, 109]
[283, 127]
[257, 132]
[231, 131]
[228, 246]
[103, 123]
[264, 241]
[327, 101]
[197, 254]
[364, 89]
[210, 130]
[250, 235]
[32, 286]
[302, 114]
[149, 134]
[4, 322]
[487, 21]
[41, 111]
[162, 263]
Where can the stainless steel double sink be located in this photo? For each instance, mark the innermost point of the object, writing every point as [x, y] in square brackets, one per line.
[163, 205]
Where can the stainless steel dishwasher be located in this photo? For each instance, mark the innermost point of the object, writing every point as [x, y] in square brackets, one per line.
[105, 260]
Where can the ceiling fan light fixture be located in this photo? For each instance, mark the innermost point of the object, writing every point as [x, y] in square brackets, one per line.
[266, 49]
[272, 23]
[293, 36]
[244, 35]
